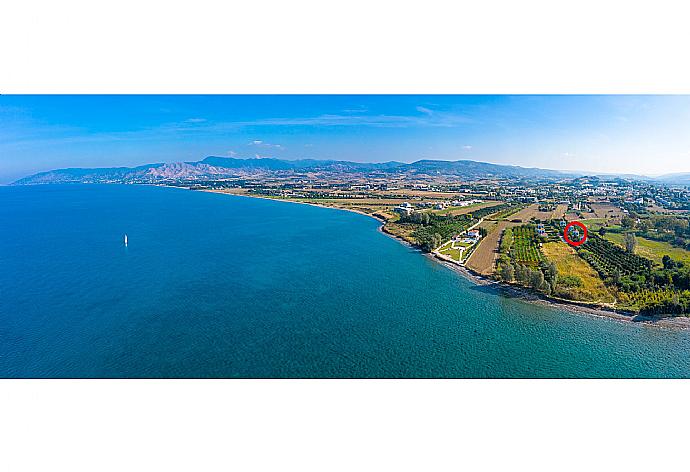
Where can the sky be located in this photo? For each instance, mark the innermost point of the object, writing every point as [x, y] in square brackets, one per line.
[648, 135]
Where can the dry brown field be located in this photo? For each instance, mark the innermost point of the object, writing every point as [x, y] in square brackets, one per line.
[559, 211]
[607, 211]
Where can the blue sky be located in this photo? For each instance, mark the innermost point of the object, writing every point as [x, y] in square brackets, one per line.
[618, 134]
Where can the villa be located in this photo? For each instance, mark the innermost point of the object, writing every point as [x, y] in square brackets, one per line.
[404, 209]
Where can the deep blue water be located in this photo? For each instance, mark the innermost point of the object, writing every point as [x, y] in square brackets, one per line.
[221, 286]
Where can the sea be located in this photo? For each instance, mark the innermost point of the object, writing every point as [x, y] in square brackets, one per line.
[221, 286]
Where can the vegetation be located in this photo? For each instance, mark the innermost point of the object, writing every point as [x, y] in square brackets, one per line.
[507, 211]
[577, 280]
[657, 301]
[506, 241]
[641, 265]
[610, 260]
[525, 246]
[638, 285]
[653, 250]
[674, 230]
[630, 242]
[448, 250]
[432, 229]
[522, 262]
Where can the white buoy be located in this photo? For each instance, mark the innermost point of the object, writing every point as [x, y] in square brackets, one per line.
[125, 239]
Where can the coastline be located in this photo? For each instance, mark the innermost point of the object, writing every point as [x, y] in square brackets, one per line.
[510, 290]
[379, 219]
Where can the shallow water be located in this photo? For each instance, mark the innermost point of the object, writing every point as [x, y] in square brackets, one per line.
[220, 286]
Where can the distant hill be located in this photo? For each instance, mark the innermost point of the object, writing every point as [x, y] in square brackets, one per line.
[80, 175]
[682, 178]
[477, 169]
[214, 167]
[301, 164]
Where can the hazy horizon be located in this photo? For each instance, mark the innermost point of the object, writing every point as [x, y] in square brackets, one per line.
[643, 135]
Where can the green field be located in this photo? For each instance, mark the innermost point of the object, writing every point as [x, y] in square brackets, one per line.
[593, 224]
[653, 250]
[448, 250]
[525, 247]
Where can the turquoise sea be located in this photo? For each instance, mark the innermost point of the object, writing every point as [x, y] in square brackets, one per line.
[221, 286]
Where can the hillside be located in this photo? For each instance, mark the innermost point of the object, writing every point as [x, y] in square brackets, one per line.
[214, 167]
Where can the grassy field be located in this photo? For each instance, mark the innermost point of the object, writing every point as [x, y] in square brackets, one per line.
[460, 210]
[593, 224]
[401, 231]
[448, 250]
[569, 263]
[653, 250]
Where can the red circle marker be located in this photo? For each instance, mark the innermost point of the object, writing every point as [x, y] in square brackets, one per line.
[579, 225]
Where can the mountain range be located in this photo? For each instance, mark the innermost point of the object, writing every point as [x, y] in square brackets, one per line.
[214, 167]
[218, 167]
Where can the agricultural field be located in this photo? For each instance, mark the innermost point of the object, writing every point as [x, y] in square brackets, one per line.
[507, 213]
[459, 210]
[483, 258]
[525, 248]
[607, 211]
[488, 225]
[541, 215]
[558, 212]
[653, 250]
[607, 258]
[655, 301]
[411, 194]
[593, 224]
[586, 286]
[574, 215]
[526, 213]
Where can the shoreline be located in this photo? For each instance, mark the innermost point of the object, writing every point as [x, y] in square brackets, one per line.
[509, 290]
[380, 220]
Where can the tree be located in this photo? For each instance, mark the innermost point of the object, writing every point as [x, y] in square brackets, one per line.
[644, 225]
[436, 240]
[536, 279]
[628, 222]
[602, 231]
[552, 273]
[668, 262]
[507, 272]
[522, 274]
[506, 241]
[680, 227]
[630, 242]
[546, 288]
